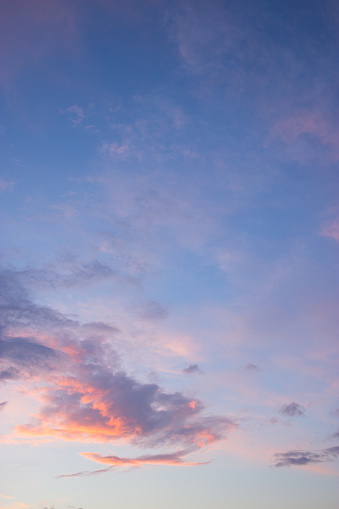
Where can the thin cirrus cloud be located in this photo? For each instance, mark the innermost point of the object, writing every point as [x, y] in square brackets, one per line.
[175, 458]
[113, 462]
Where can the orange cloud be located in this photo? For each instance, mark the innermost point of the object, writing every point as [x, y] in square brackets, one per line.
[175, 458]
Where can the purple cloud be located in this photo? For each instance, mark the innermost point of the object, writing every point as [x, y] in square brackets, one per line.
[191, 369]
[301, 458]
[292, 410]
[87, 395]
[251, 367]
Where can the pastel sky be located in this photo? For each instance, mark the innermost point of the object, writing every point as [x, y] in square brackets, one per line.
[169, 264]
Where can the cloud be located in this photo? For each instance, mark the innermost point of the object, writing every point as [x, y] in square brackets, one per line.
[99, 328]
[18, 309]
[86, 395]
[153, 311]
[251, 367]
[331, 229]
[22, 356]
[66, 273]
[206, 37]
[101, 405]
[292, 409]
[24, 351]
[313, 130]
[10, 373]
[5, 185]
[191, 369]
[3, 404]
[76, 115]
[175, 458]
[302, 458]
[113, 462]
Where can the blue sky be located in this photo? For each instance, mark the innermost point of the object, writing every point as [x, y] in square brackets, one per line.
[169, 266]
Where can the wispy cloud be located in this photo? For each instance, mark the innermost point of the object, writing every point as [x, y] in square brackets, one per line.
[175, 458]
[6, 185]
[331, 229]
[117, 462]
[152, 311]
[76, 115]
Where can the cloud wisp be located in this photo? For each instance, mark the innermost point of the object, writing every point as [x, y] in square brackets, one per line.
[118, 462]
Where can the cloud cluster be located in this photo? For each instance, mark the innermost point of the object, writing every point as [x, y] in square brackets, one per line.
[85, 394]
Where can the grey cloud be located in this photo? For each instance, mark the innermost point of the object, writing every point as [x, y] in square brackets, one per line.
[191, 369]
[17, 308]
[3, 404]
[22, 356]
[24, 351]
[292, 409]
[85, 473]
[301, 458]
[251, 367]
[9, 373]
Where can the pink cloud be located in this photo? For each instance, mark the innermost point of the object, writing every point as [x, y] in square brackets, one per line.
[305, 122]
[175, 458]
[331, 229]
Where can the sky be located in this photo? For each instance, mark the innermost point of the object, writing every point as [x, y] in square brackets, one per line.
[169, 262]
